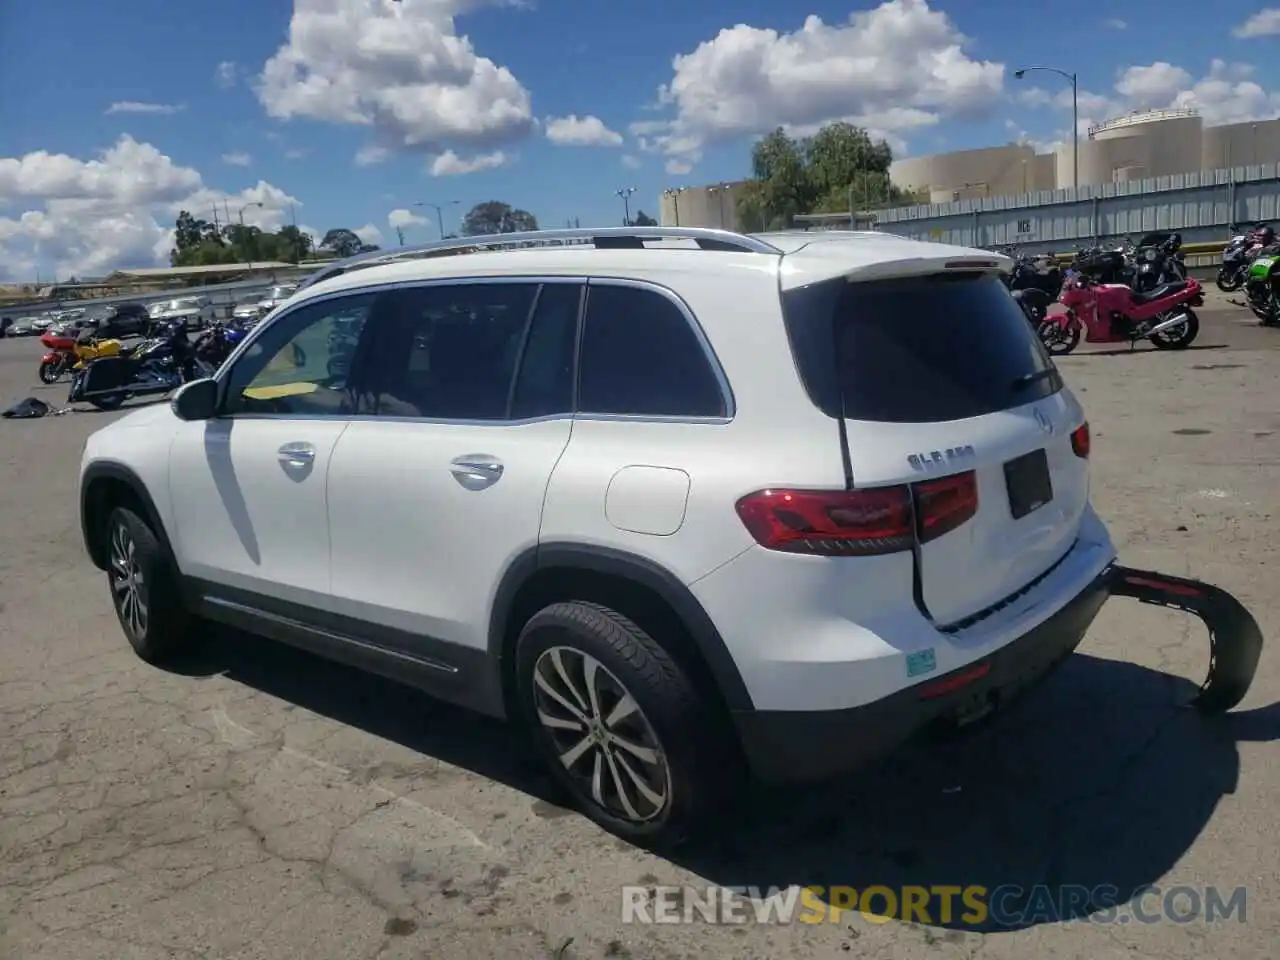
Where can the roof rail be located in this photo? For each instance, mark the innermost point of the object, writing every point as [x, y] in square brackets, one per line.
[706, 238]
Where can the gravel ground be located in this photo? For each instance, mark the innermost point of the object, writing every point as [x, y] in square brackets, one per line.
[263, 804]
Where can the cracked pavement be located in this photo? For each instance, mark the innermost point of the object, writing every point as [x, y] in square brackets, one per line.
[258, 803]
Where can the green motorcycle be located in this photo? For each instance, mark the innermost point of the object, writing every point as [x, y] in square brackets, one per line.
[1262, 286]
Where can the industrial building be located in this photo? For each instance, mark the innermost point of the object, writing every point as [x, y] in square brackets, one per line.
[1136, 146]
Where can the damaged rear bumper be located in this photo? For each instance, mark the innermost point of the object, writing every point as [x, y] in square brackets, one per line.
[798, 745]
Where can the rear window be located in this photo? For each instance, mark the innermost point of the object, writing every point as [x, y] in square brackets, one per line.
[916, 349]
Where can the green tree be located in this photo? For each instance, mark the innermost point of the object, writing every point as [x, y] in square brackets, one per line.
[293, 245]
[493, 216]
[642, 219]
[343, 242]
[838, 167]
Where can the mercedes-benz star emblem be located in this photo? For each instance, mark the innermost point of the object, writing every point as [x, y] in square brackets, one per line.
[1045, 423]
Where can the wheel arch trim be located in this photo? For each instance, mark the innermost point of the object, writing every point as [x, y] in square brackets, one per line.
[111, 470]
[626, 566]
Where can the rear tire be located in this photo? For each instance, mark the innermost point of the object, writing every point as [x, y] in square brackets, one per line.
[1180, 337]
[50, 371]
[620, 725]
[144, 588]
[1229, 281]
[108, 402]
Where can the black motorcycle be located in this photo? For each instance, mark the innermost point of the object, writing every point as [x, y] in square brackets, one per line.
[1034, 287]
[155, 366]
[1157, 260]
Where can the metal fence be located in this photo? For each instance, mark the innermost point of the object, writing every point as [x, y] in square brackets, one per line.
[223, 296]
[1201, 206]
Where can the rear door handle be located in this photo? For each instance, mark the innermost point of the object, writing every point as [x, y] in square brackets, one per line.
[475, 471]
[297, 453]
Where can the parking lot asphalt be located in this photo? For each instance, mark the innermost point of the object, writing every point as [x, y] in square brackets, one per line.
[260, 803]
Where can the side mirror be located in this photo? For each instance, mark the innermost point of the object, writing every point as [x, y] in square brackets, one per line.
[197, 400]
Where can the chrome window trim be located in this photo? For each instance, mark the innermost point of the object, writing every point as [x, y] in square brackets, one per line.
[709, 354]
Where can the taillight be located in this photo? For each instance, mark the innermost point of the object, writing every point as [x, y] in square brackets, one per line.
[1080, 440]
[945, 503]
[859, 523]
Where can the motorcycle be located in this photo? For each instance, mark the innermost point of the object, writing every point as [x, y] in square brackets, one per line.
[1115, 313]
[1262, 285]
[70, 353]
[1236, 256]
[1034, 288]
[155, 366]
[1158, 261]
[215, 343]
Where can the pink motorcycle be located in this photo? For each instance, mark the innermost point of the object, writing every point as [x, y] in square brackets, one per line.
[1115, 313]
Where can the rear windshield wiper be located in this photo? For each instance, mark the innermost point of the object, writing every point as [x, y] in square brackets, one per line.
[1028, 379]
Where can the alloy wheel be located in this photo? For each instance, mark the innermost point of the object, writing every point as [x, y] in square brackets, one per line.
[128, 584]
[601, 736]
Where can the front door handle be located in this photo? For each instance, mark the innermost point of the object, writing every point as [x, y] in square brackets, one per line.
[475, 471]
[297, 454]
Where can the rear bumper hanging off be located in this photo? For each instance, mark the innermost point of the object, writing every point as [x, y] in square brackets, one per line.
[790, 746]
[1235, 641]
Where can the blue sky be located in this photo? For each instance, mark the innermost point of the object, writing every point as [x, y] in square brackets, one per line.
[345, 79]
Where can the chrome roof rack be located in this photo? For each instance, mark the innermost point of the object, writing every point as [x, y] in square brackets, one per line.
[706, 238]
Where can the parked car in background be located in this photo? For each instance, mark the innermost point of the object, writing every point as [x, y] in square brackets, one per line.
[247, 308]
[276, 296]
[196, 312]
[23, 327]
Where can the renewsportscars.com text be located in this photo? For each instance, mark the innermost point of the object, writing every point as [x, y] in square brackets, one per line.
[938, 905]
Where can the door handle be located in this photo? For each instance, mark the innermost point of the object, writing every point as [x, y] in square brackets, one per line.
[475, 471]
[297, 453]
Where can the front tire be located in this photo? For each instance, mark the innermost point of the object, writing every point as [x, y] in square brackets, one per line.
[619, 723]
[144, 590]
[1057, 339]
[50, 371]
[1229, 280]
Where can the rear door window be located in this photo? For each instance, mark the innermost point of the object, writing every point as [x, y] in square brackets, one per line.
[640, 356]
[923, 349]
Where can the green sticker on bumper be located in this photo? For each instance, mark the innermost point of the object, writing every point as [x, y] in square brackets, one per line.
[922, 661]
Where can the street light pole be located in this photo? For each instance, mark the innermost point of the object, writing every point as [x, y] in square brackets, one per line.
[252, 203]
[439, 212]
[625, 193]
[1075, 114]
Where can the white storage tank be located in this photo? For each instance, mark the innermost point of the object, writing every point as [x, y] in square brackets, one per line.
[1155, 143]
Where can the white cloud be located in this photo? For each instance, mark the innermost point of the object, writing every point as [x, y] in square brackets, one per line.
[1226, 94]
[237, 159]
[226, 74]
[400, 217]
[399, 69]
[369, 156]
[678, 168]
[575, 131]
[369, 234]
[449, 164]
[294, 154]
[1115, 23]
[135, 106]
[631, 162]
[88, 217]
[896, 67]
[1264, 23]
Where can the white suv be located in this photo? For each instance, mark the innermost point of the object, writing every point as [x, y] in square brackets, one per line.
[683, 502]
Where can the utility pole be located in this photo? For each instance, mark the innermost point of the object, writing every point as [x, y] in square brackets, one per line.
[625, 193]
[400, 235]
[1075, 115]
[243, 232]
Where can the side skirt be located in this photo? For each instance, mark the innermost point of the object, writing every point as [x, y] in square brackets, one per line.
[447, 671]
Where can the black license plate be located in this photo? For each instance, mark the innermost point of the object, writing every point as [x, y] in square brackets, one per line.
[1028, 482]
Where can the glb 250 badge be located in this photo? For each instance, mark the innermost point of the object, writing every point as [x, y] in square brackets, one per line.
[940, 458]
